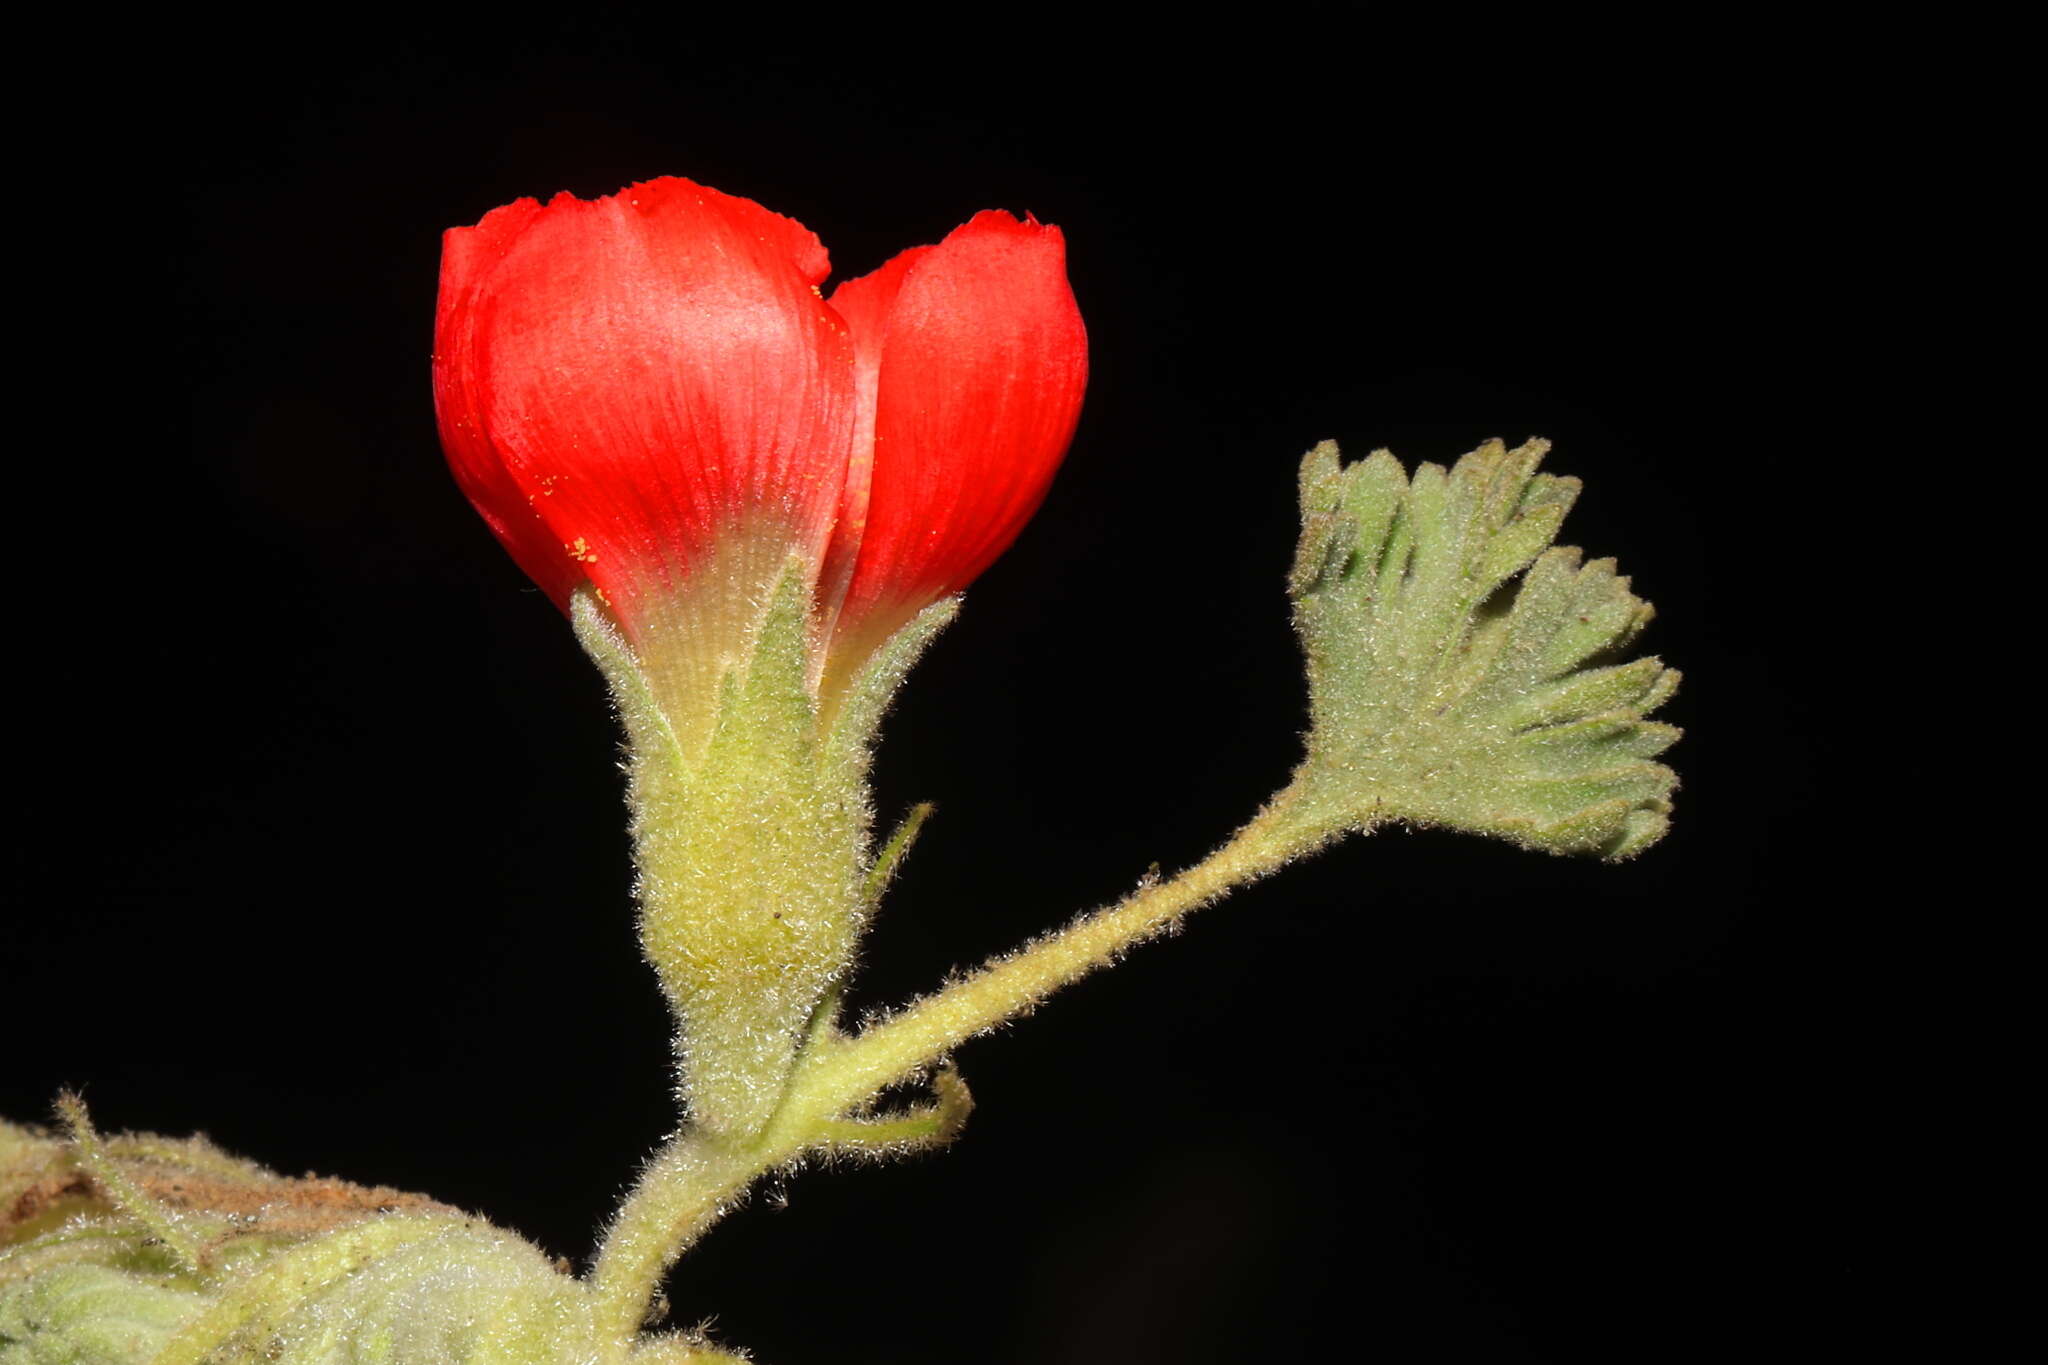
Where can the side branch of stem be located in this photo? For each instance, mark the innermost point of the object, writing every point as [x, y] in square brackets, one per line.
[693, 1181]
[908, 1042]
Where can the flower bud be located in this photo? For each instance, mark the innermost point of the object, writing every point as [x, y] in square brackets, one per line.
[650, 393]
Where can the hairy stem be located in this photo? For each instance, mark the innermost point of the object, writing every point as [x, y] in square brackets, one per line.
[689, 1185]
[898, 1047]
[696, 1179]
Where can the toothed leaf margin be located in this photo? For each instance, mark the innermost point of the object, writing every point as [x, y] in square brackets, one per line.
[1465, 673]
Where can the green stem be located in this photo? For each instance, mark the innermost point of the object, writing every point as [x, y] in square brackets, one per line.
[694, 1180]
[912, 1040]
[690, 1184]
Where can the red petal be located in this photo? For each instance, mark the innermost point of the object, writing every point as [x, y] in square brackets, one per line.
[643, 372]
[467, 255]
[863, 305]
[973, 360]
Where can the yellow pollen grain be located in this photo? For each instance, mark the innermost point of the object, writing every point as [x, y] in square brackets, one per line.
[581, 551]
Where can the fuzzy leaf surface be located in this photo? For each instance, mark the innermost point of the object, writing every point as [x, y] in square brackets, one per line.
[1463, 671]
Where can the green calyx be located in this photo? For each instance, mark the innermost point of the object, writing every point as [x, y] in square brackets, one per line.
[1445, 692]
[755, 871]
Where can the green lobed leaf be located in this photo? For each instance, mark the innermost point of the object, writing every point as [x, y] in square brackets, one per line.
[1446, 691]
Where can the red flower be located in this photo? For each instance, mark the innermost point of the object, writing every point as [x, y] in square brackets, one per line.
[649, 393]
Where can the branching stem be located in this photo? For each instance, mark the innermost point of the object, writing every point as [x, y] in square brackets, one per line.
[694, 1180]
[898, 1047]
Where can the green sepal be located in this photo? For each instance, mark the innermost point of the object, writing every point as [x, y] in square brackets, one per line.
[873, 687]
[754, 869]
[882, 868]
[748, 860]
[1441, 693]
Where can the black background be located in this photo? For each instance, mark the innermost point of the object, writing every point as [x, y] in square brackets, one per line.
[327, 856]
